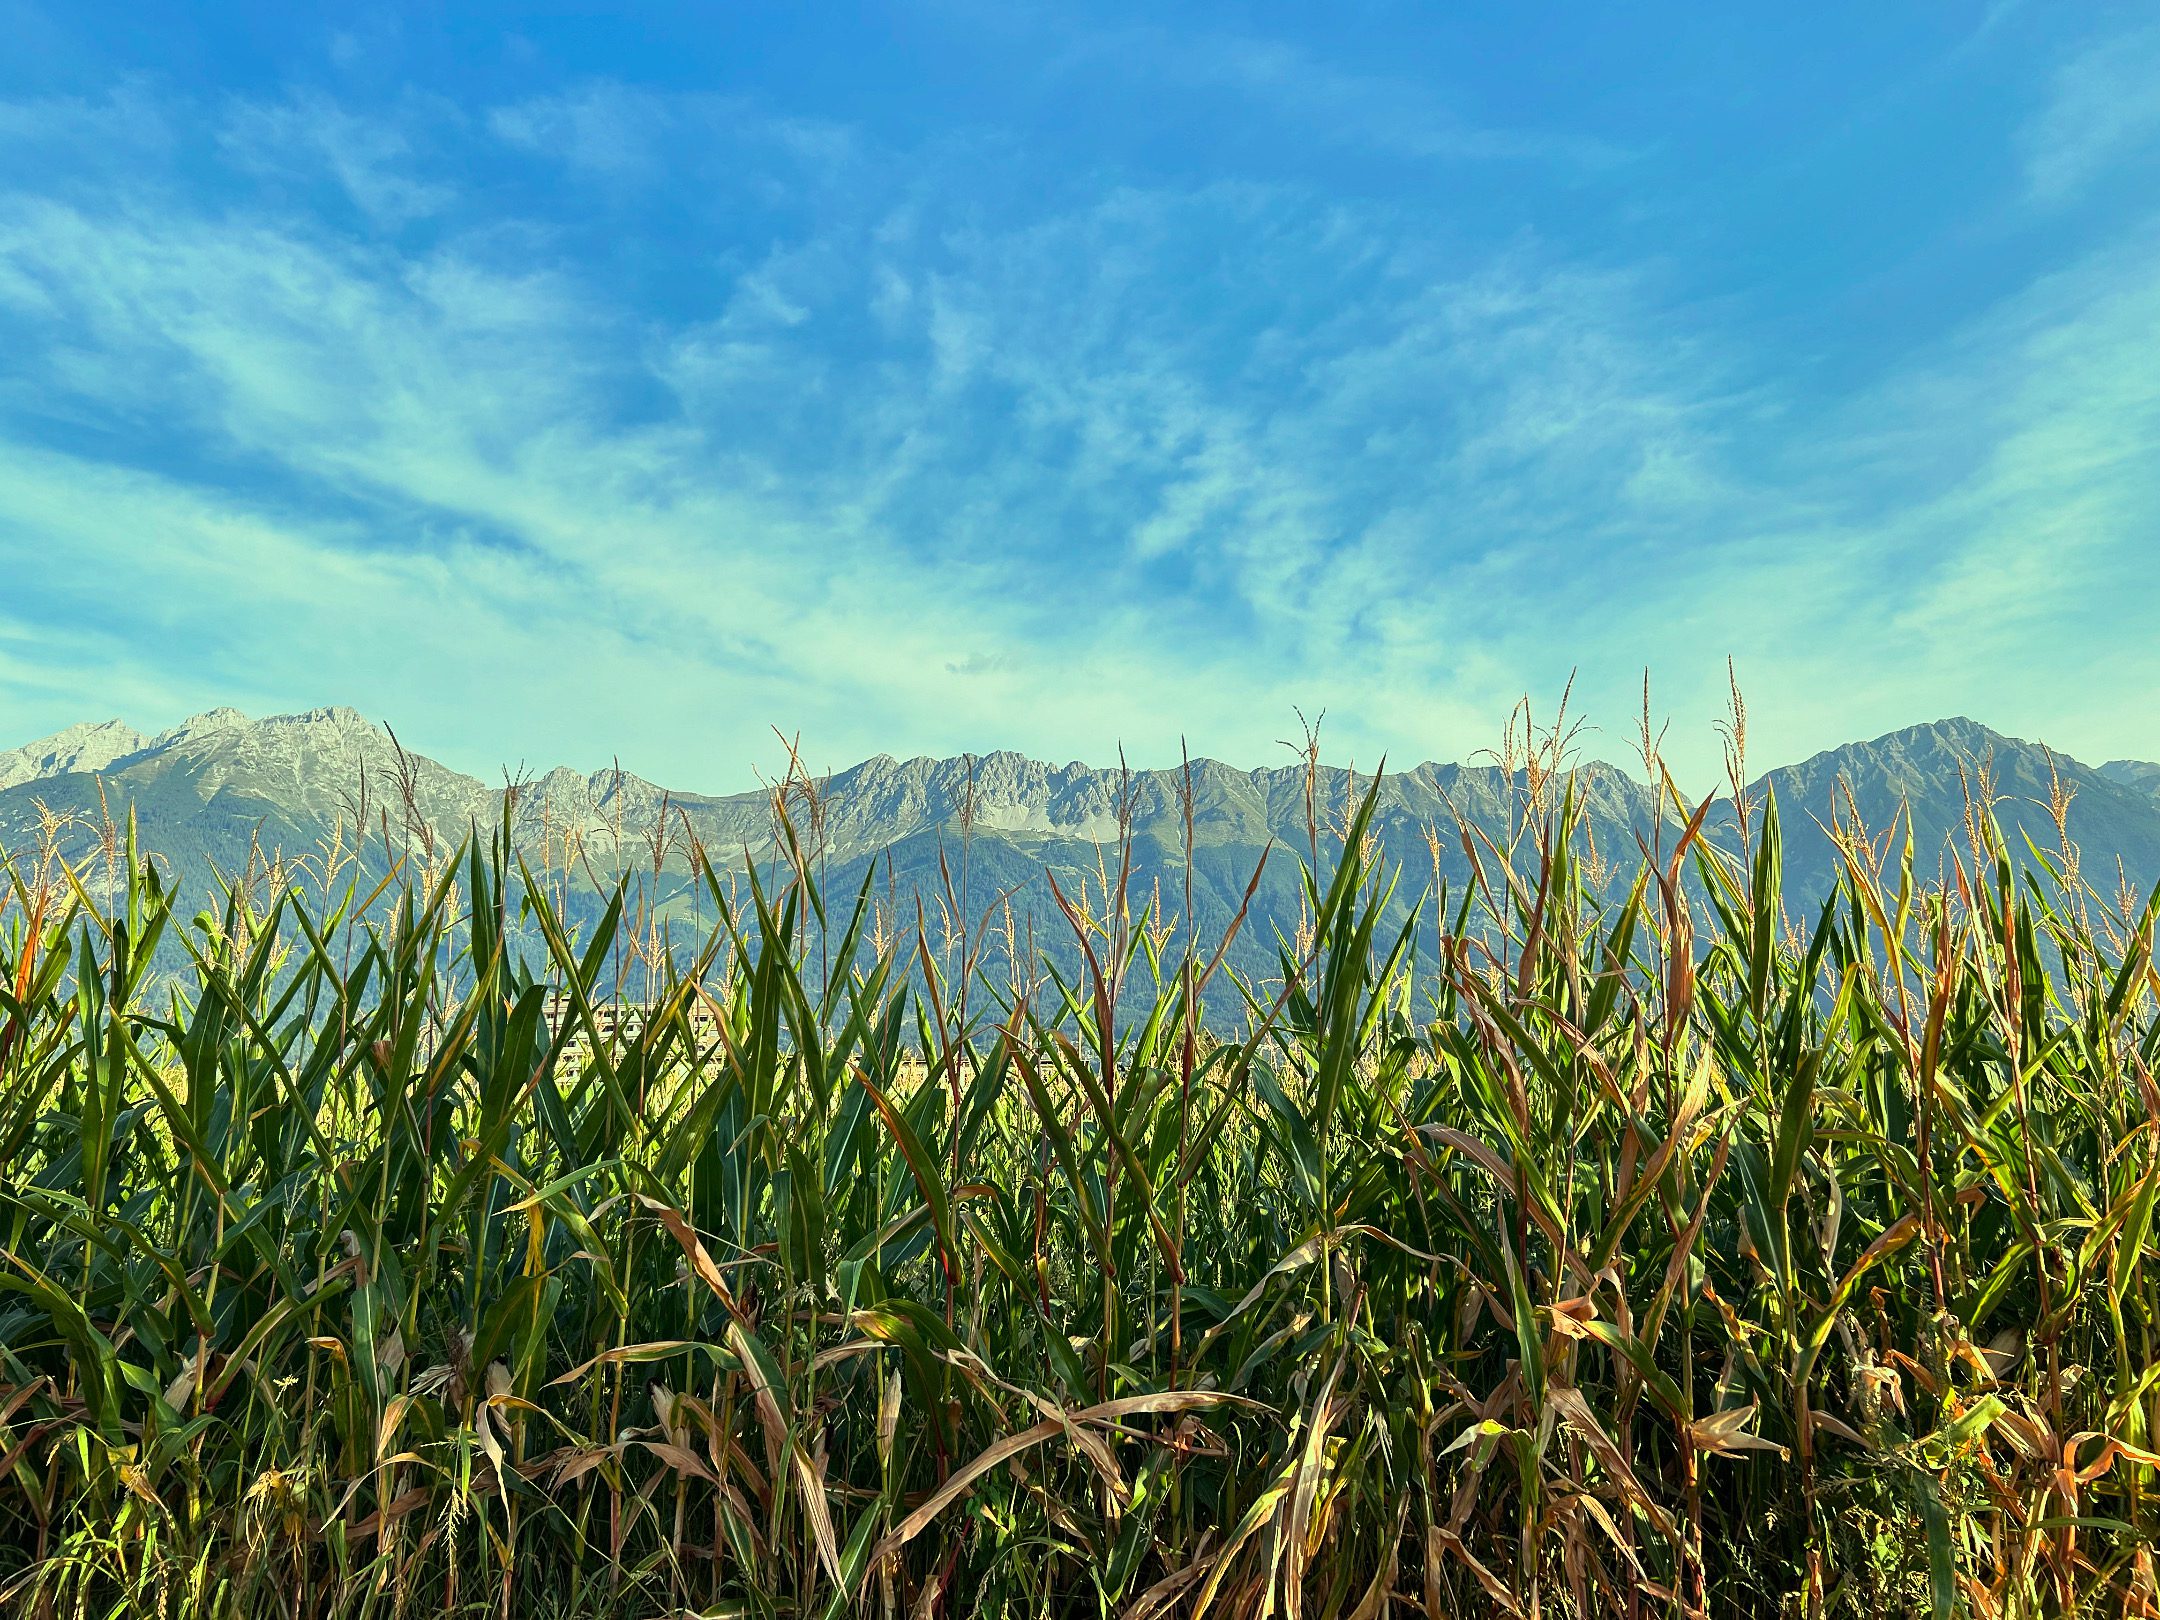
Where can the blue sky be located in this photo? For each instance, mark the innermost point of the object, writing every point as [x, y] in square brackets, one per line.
[564, 383]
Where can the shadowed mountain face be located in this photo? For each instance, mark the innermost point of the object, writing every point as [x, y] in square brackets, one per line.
[2141, 774]
[1941, 773]
[222, 790]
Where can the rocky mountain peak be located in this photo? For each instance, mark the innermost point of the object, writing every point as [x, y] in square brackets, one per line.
[210, 720]
[208, 789]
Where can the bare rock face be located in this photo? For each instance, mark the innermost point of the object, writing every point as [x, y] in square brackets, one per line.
[96, 745]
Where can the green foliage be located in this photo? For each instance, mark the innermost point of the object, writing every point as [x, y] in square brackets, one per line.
[1659, 1255]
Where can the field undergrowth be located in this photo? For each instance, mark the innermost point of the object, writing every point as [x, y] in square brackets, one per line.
[1707, 1251]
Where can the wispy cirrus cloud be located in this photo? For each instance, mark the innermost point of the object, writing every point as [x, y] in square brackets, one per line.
[1399, 115]
[828, 518]
[370, 158]
[483, 416]
[2102, 104]
[1978, 532]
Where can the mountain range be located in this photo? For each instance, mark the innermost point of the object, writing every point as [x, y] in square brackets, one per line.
[222, 790]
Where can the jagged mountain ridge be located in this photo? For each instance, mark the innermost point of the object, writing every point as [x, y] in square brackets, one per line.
[297, 774]
[95, 746]
[220, 788]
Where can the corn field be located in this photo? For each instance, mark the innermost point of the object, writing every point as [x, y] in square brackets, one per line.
[1676, 1249]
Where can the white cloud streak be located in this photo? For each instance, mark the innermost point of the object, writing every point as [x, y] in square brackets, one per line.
[939, 474]
[2102, 105]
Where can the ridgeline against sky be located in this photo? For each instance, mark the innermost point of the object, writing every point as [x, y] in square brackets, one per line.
[322, 797]
[954, 377]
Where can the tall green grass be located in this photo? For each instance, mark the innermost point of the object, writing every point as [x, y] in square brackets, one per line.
[1674, 1255]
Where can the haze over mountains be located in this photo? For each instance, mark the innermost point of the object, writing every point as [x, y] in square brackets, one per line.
[222, 787]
